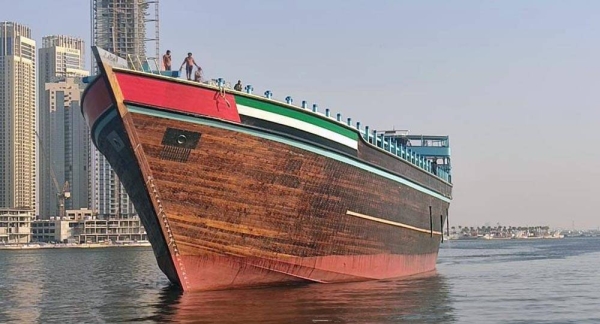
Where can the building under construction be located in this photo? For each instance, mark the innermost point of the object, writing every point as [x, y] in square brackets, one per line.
[126, 27]
[123, 27]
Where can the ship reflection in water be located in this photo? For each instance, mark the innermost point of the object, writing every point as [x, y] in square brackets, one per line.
[496, 281]
[422, 299]
[124, 285]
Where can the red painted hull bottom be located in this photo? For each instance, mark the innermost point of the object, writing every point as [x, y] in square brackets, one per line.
[228, 272]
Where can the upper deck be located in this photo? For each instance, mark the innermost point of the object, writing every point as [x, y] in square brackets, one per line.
[429, 153]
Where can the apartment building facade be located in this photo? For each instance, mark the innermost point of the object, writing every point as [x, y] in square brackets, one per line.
[17, 117]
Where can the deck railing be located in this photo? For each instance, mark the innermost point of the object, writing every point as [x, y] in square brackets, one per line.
[148, 65]
[151, 65]
[405, 154]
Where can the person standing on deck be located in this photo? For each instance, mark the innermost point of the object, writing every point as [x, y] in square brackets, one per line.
[189, 63]
[238, 86]
[167, 60]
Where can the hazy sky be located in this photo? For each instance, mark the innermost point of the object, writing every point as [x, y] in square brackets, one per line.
[514, 83]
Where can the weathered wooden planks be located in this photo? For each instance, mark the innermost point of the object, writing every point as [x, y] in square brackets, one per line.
[242, 195]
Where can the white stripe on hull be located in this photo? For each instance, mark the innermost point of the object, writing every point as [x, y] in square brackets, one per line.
[298, 124]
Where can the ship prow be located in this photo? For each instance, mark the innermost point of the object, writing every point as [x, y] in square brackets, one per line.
[237, 190]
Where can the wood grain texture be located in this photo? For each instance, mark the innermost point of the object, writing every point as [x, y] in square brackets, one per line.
[238, 210]
[125, 163]
[119, 143]
[247, 197]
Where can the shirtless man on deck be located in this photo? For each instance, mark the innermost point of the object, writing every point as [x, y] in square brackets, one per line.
[167, 61]
[189, 66]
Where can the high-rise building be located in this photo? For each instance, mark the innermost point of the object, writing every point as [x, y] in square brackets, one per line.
[123, 27]
[126, 27]
[59, 57]
[17, 117]
[65, 147]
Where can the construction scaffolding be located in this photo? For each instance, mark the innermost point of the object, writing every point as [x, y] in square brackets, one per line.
[126, 27]
[152, 22]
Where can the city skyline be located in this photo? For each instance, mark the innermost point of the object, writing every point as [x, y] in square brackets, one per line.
[68, 162]
[511, 84]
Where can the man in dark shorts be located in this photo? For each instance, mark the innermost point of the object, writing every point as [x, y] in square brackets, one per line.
[189, 66]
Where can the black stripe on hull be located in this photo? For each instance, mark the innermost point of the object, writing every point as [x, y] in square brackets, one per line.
[293, 132]
[288, 131]
[126, 165]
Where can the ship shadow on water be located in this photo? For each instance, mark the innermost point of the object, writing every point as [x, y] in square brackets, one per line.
[419, 299]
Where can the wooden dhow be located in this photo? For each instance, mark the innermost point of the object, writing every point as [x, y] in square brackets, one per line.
[237, 190]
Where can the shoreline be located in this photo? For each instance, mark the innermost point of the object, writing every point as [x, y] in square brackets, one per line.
[505, 238]
[36, 246]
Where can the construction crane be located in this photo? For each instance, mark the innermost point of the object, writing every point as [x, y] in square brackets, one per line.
[62, 194]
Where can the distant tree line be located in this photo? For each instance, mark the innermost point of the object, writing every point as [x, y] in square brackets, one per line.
[498, 229]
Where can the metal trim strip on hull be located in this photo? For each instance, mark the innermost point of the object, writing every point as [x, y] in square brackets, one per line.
[310, 148]
[385, 221]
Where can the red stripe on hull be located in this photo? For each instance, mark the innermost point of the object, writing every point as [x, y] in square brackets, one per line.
[227, 272]
[177, 96]
[96, 101]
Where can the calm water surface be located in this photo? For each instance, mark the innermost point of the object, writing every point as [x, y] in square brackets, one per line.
[536, 281]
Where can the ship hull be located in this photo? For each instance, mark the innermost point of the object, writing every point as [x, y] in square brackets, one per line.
[232, 205]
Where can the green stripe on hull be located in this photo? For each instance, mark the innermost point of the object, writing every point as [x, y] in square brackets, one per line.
[281, 139]
[290, 112]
